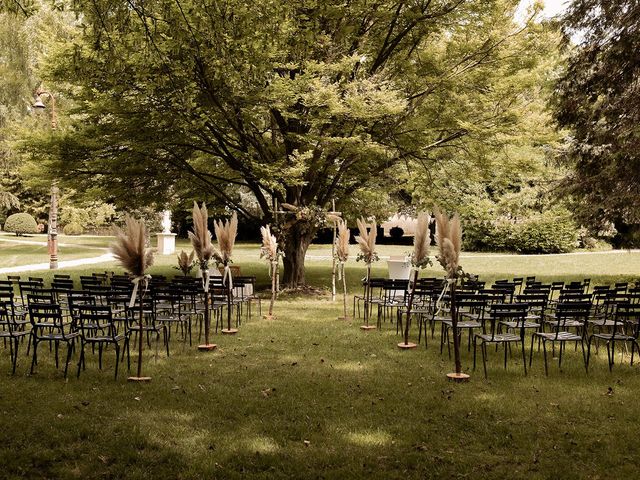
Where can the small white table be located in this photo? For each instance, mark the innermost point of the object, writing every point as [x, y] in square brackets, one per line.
[399, 268]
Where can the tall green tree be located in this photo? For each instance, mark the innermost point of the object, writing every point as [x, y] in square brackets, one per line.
[300, 102]
[598, 99]
[27, 31]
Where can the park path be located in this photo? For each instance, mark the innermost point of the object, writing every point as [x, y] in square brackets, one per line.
[107, 257]
[34, 267]
[44, 244]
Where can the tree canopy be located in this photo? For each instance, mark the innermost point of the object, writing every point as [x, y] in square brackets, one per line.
[302, 102]
[598, 99]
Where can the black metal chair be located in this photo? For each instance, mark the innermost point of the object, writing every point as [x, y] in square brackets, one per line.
[566, 315]
[98, 328]
[627, 316]
[148, 324]
[48, 325]
[470, 309]
[512, 314]
[12, 330]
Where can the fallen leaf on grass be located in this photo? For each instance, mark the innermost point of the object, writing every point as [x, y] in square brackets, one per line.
[267, 392]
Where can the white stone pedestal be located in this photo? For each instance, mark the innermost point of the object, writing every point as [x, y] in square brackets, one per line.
[166, 243]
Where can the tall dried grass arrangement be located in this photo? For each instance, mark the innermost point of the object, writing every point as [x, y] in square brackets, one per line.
[342, 241]
[367, 240]
[421, 240]
[226, 236]
[332, 218]
[449, 240]
[132, 253]
[130, 248]
[201, 237]
[185, 261]
[269, 249]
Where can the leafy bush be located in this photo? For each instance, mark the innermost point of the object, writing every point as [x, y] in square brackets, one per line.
[396, 233]
[73, 229]
[90, 216]
[550, 232]
[21, 223]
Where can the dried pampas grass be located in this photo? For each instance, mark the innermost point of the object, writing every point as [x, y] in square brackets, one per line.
[130, 247]
[200, 236]
[185, 261]
[269, 249]
[332, 218]
[226, 236]
[367, 239]
[342, 241]
[449, 239]
[421, 242]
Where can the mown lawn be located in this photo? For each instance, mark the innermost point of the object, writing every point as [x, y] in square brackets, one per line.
[309, 396]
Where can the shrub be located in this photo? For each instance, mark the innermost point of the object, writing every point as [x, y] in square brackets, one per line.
[396, 233]
[21, 223]
[545, 233]
[550, 232]
[73, 229]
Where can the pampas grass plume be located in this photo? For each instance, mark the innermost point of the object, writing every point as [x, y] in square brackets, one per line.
[342, 241]
[130, 249]
[269, 244]
[226, 236]
[200, 236]
[421, 239]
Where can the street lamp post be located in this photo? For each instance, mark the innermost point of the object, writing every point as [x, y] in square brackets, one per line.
[52, 231]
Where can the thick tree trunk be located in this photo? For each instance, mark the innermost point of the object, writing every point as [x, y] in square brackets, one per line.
[297, 242]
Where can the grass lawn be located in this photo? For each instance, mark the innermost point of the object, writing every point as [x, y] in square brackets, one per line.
[309, 396]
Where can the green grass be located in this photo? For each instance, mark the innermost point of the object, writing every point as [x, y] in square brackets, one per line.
[366, 409]
[15, 254]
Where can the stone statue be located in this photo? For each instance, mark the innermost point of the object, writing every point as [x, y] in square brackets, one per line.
[166, 221]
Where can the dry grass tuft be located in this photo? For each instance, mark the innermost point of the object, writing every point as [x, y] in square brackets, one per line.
[130, 248]
[421, 241]
[269, 249]
[342, 241]
[449, 239]
[226, 236]
[185, 261]
[367, 239]
[200, 236]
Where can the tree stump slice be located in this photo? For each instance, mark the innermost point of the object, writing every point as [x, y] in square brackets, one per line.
[458, 377]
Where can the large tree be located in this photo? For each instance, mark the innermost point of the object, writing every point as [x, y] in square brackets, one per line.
[598, 99]
[302, 102]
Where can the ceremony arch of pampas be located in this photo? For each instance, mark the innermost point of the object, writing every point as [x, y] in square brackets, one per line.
[201, 242]
[226, 232]
[367, 243]
[130, 250]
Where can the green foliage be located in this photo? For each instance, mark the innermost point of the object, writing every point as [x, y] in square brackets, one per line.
[73, 229]
[597, 99]
[304, 102]
[396, 233]
[552, 231]
[20, 223]
[89, 216]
